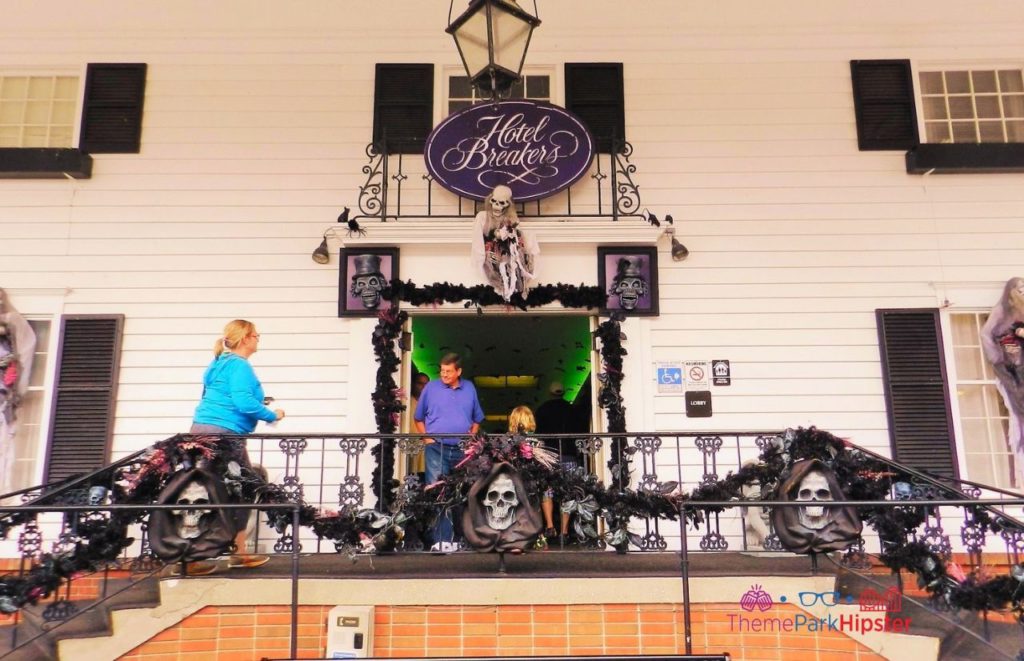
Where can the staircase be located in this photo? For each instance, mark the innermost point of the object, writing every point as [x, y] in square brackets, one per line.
[94, 620]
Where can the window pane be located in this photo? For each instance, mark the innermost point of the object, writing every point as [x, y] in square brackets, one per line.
[10, 136]
[517, 90]
[35, 136]
[987, 106]
[984, 81]
[934, 107]
[937, 131]
[968, 365]
[979, 467]
[965, 329]
[931, 82]
[60, 136]
[957, 82]
[12, 112]
[991, 131]
[37, 112]
[1013, 105]
[14, 88]
[1011, 81]
[455, 106]
[964, 132]
[960, 107]
[459, 87]
[66, 87]
[972, 402]
[538, 87]
[63, 112]
[1015, 131]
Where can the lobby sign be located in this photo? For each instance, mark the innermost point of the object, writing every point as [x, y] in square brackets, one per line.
[534, 148]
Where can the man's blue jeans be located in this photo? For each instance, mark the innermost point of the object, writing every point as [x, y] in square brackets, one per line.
[440, 460]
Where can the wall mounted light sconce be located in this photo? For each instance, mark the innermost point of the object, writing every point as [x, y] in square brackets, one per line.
[679, 251]
[322, 253]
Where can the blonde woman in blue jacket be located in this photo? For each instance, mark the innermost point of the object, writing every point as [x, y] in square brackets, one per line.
[232, 403]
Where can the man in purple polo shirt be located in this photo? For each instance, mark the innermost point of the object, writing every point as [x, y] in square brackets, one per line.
[446, 406]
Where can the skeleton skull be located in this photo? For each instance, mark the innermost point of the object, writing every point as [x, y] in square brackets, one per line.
[188, 519]
[629, 290]
[501, 502]
[501, 200]
[814, 489]
[368, 288]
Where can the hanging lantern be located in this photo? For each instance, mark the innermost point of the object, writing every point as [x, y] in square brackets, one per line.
[492, 37]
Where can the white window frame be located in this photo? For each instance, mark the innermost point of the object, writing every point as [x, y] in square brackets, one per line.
[954, 381]
[555, 86]
[917, 68]
[79, 97]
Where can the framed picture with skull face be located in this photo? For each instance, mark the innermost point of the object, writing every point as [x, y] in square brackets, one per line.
[364, 273]
[629, 275]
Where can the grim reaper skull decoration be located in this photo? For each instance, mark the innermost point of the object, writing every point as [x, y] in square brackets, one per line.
[816, 526]
[191, 530]
[499, 515]
[189, 517]
[629, 284]
[367, 281]
[503, 252]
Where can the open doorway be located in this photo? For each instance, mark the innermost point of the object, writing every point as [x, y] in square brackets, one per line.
[511, 359]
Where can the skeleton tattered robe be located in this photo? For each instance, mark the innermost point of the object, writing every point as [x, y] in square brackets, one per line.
[1004, 347]
[843, 525]
[504, 254]
[526, 524]
[17, 347]
[217, 530]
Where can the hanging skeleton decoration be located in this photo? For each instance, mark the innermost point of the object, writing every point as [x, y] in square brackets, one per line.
[17, 347]
[368, 281]
[816, 526]
[499, 515]
[504, 253]
[1002, 339]
[191, 531]
[629, 283]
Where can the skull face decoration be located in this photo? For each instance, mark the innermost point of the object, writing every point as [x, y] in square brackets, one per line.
[191, 530]
[188, 519]
[816, 526]
[629, 284]
[499, 516]
[501, 201]
[501, 502]
[814, 489]
[368, 281]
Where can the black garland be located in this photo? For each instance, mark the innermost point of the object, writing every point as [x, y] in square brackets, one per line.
[610, 398]
[865, 478]
[387, 405]
[480, 296]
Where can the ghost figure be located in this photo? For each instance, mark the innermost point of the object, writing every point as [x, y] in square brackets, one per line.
[189, 517]
[629, 284]
[368, 281]
[1002, 338]
[815, 527]
[499, 515]
[504, 253]
[190, 531]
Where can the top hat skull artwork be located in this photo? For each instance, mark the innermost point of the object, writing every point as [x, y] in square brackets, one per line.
[368, 281]
[629, 283]
[499, 515]
[815, 526]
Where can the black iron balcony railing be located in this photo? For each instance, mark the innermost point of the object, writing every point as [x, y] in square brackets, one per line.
[332, 472]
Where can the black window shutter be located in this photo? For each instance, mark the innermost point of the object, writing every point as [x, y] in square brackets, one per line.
[83, 409]
[403, 107]
[883, 100]
[112, 111]
[916, 392]
[595, 93]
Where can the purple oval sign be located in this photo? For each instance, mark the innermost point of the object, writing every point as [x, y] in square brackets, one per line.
[536, 149]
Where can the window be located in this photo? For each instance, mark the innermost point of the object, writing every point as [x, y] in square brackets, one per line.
[595, 93]
[461, 94]
[37, 111]
[973, 106]
[24, 447]
[984, 420]
[403, 107]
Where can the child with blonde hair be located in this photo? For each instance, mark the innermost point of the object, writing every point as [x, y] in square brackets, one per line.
[521, 421]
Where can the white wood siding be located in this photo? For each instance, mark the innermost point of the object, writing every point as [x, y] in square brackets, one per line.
[741, 117]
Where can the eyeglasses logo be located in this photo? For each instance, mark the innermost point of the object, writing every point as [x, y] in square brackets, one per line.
[757, 598]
